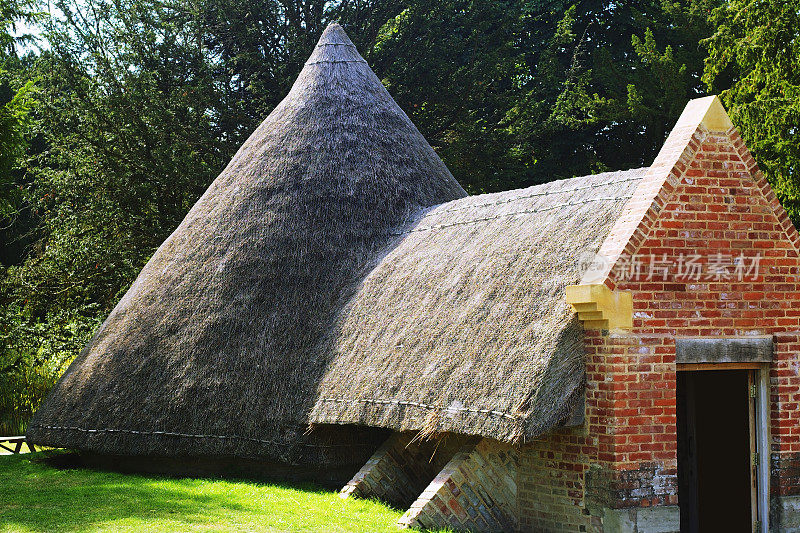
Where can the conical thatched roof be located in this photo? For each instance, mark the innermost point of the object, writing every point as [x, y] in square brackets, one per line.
[335, 275]
[218, 347]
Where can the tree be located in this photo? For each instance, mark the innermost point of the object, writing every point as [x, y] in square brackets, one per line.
[517, 92]
[258, 47]
[126, 139]
[451, 66]
[20, 381]
[15, 106]
[15, 101]
[605, 81]
[754, 62]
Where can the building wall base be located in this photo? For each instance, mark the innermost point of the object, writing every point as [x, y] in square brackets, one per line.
[659, 519]
[785, 514]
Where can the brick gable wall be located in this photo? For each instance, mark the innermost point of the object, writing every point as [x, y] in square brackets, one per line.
[722, 208]
[712, 202]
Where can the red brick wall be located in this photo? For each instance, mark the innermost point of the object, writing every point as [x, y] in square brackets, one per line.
[722, 208]
[551, 482]
[712, 201]
[785, 394]
[624, 455]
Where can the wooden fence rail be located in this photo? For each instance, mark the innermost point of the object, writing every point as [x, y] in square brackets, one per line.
[16, 442]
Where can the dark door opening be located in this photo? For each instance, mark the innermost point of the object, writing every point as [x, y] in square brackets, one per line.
[715, 482]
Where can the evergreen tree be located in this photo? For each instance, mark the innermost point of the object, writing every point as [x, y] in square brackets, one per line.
[754, 62]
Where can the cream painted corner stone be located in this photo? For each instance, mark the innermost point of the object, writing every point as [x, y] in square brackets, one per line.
[599, 307]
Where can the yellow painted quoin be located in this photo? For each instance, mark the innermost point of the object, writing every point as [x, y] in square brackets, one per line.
[599, 307]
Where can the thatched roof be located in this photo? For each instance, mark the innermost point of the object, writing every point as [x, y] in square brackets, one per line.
[215, 348]
[335, 275]
[464, 324]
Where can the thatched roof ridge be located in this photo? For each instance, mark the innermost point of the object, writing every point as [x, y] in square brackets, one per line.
[335, 47]
[215, 348]
[464, 326]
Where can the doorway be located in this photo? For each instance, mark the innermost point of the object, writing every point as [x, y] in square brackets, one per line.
[716, 445]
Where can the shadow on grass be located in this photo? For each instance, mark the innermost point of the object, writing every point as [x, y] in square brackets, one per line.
[50, 491]
[233, 470]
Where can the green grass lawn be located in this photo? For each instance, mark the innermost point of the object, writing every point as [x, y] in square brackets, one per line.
[35, 496]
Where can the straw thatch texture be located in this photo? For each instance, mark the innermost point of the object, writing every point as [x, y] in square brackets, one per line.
[214, 349]
[464, 325]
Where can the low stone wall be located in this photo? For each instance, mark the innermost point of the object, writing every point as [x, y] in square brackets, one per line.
[401, 468]
[551, 483]
[470, 484]
[475, 491]
[563, 489]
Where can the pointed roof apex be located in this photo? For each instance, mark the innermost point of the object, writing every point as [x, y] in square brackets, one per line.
[270, 254]
[334, 46]
[707, 111]
[334, 34]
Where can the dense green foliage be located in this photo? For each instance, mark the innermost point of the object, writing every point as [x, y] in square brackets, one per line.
[111, 132]
[14, 110]
[15, 100]
[37, 497]
[754, 62]
[517, 93]
[24, 377]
